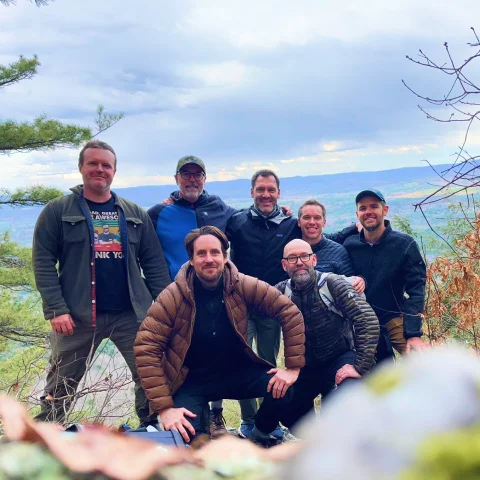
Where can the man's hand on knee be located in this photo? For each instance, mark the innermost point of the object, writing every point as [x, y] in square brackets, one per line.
[174, 418]
[282, 380]
[63, 324]
[347, 371]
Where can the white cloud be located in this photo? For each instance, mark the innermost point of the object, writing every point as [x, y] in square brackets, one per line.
[410, 148]
[272, 23]
[223, 176]
[304, 87]
[219, 75]
[125, 180]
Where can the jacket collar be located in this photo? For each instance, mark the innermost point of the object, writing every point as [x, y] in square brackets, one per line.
[186, 275]
[320, 244]
[277, 216]
[177, 199]
[78, 190]
[385, 234]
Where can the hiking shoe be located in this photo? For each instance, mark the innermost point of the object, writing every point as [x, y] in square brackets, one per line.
[265, 441]
[245, 429]
[288, 436]
[278, 433]
[217, 423]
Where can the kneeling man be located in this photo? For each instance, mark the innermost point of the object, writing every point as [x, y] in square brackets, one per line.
[341, 329]
[192, 347]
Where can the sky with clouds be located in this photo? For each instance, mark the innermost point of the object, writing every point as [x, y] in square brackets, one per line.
[305, 87]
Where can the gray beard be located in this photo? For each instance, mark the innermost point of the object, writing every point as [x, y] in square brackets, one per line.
[303, 279]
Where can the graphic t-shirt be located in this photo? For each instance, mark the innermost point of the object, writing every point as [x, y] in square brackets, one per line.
[110, 270]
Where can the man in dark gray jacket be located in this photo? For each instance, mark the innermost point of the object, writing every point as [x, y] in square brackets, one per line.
[341, 329]
[98, 290]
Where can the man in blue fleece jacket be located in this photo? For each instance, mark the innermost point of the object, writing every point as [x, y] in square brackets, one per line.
[192, 207]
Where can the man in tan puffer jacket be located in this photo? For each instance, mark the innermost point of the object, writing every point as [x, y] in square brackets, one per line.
[192, 347]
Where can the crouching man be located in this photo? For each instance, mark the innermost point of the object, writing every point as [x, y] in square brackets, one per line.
[192, 347]
[341, 329]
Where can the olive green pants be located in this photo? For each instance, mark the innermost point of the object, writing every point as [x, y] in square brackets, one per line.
[72, 355]
[395, 331]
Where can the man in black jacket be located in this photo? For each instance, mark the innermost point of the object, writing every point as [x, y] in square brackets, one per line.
[257, 237]
[391, 263]
[341, 329]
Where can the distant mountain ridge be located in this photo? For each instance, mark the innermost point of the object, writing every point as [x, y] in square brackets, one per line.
[313, 185]
[337, 191]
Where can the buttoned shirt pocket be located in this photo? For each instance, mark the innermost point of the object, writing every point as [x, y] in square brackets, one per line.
[75, 228]
[134, 227]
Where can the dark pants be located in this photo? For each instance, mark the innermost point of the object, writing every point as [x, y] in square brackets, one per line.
[384, 348]
[248, 381]
[266, 332]
[73, 354]
[314, 381]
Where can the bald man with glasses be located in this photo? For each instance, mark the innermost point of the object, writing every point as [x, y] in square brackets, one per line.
[341, 329]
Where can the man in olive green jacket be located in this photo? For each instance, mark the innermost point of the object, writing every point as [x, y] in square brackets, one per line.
[98, 290]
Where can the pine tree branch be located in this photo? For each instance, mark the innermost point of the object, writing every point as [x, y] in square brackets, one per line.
[22, 69]
[38, 3]
[27, 197]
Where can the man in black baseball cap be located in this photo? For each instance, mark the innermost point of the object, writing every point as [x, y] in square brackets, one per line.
[370, 193]
[391, 263]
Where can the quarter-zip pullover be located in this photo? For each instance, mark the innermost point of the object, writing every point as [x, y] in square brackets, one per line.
[257, 243]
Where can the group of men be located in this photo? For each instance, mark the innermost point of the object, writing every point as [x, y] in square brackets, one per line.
[340, 308]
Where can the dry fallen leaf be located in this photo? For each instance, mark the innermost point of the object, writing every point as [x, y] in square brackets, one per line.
[94, 449]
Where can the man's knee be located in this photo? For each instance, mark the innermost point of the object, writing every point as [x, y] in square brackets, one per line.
[286, 399]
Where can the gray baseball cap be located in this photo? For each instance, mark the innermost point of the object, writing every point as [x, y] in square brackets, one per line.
[188, 160]
[370, 193]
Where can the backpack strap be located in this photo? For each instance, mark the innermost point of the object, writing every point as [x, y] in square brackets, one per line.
[323, 291]
[325, 294]
[288, 289]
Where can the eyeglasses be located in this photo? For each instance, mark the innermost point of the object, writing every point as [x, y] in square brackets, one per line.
[293, 259]
[188, 175]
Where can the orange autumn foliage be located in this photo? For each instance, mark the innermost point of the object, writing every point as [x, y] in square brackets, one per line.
[452, 307]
